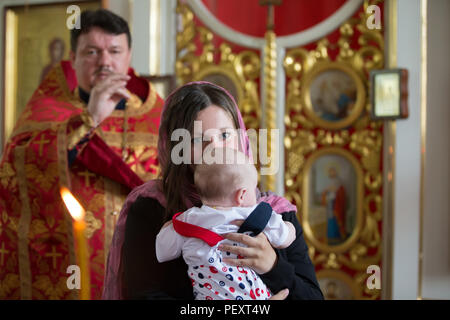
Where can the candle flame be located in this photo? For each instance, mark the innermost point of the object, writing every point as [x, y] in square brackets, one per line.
[72, 204]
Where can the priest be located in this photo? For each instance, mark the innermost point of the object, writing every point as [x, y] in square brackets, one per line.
[90, 126]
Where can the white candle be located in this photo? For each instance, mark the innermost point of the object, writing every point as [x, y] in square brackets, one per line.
[77, 212]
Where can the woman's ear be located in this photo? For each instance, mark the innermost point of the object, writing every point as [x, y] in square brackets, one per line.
[239, 196]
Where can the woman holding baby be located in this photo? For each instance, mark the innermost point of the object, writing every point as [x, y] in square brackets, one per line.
[133, 270]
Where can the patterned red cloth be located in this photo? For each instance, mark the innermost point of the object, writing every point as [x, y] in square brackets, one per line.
[36, 238]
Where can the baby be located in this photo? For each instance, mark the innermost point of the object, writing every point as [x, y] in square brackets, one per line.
[228, 192]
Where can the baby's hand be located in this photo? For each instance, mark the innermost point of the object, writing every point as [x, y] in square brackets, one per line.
[291, 236]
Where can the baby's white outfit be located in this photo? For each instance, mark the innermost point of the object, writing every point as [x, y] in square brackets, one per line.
[211, 278]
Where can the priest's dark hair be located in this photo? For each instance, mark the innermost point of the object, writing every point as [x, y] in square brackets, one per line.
[103, 19]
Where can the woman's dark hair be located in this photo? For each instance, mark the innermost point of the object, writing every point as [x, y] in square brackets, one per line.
[180, 113]
[103, 19]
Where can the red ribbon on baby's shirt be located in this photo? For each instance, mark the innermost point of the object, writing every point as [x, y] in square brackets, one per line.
[189, 230]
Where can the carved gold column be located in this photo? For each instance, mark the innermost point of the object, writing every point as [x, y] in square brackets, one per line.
[270, 87]
[270, 74]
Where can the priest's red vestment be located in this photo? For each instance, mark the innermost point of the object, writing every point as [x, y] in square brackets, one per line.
[36, 234]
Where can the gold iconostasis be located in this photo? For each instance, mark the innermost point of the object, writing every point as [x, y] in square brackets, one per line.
[317, 94]
[332, 147]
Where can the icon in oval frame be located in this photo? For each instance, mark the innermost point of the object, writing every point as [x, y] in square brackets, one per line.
[222, 77]
[332, 195]
[337, 285]
[333, 94]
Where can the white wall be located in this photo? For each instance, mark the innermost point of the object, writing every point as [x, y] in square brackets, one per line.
[432, 280]
[407, 158]
[121, 7]
[436, 255]
[154, 35]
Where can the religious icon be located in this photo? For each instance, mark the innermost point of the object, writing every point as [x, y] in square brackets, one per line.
[333, 198]
[389, 94]
[332, 203]
[333, 94]
[335, 289]
[225, 82]
[222, 76]
[36, 39]
[56, 50]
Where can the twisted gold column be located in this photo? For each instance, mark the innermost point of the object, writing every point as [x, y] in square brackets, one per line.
[270, 73]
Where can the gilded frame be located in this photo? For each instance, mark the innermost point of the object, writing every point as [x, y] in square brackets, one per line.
[222, 71]
[341, 276]
[37, 56]
[304, 215]
[359, 103]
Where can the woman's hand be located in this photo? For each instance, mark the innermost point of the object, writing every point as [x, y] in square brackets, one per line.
[280, 295]
[258, 255]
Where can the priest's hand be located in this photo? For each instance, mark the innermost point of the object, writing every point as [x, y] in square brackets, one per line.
[105, 95]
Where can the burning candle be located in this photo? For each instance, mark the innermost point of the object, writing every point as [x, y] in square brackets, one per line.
[77, 212]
